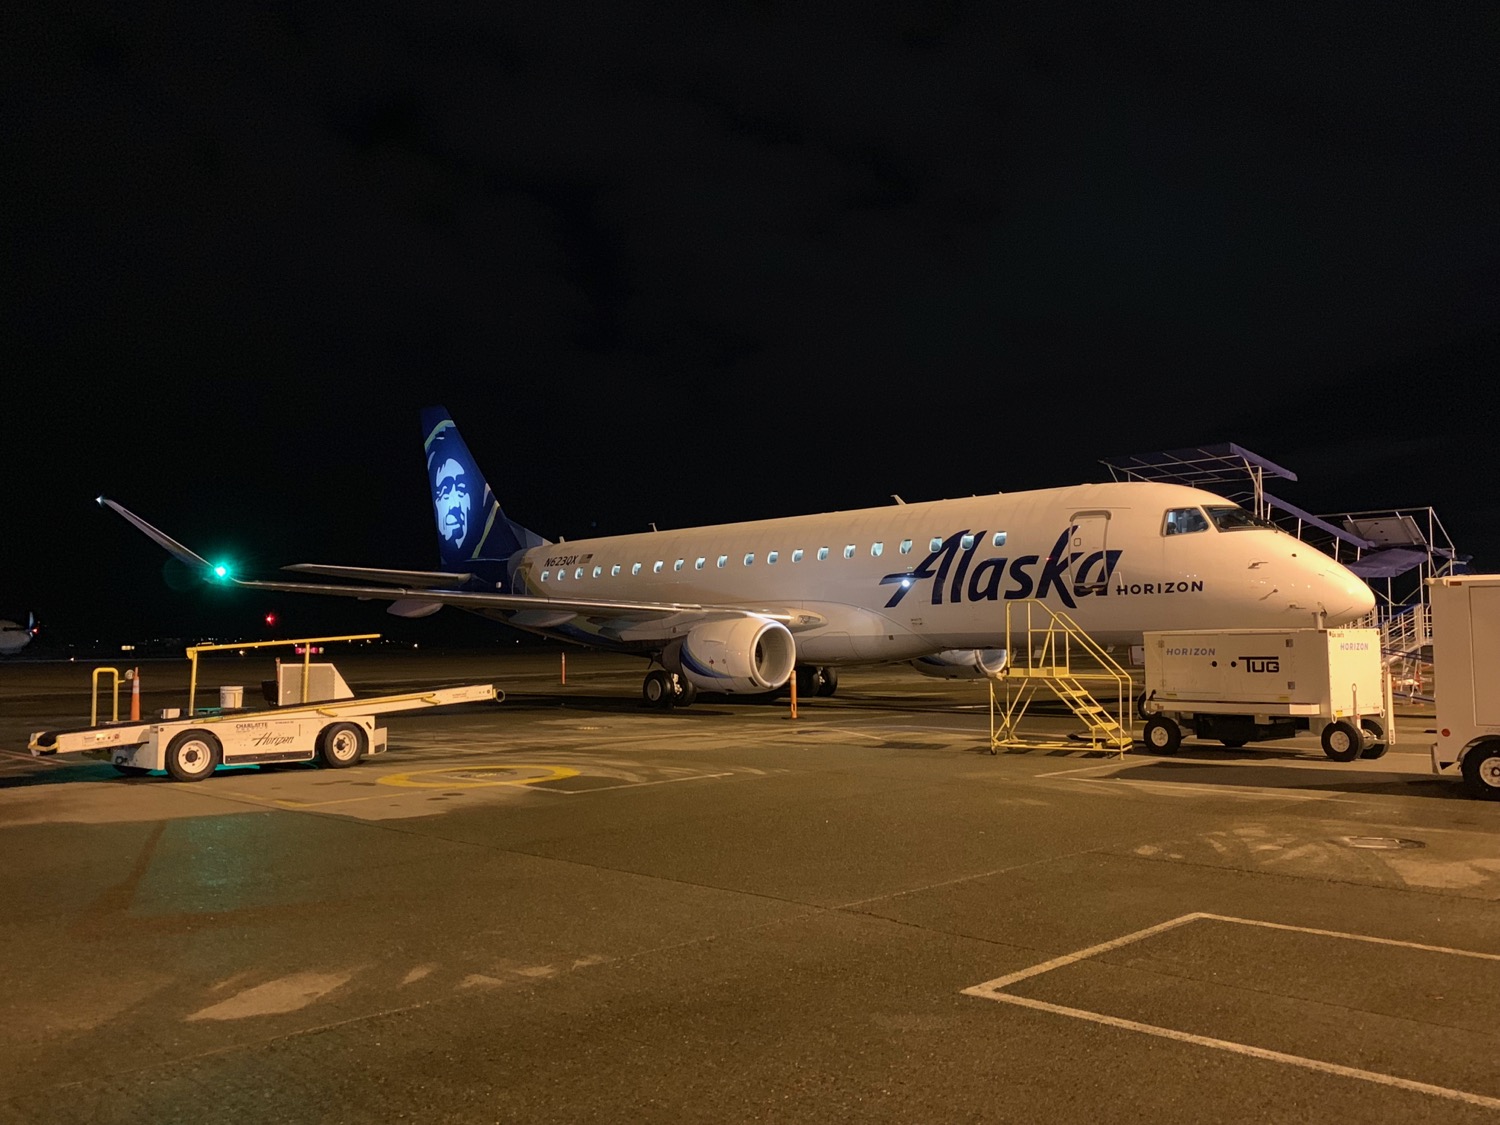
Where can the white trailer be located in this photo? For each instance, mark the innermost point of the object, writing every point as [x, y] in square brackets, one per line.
[1254, 685]
[315, 717]
[336, 734]
[1466, 671]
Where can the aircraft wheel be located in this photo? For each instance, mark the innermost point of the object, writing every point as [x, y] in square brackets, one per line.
[1342, 742]
[685, 691]
[192, 755]
[830, 681]
[1162, 735]
[1482, 770]
[340, 745]
[656, 689]
[809, 680]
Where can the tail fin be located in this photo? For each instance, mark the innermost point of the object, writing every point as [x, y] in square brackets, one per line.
[471, 527]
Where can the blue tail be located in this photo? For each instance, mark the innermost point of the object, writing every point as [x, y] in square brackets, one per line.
[473, 533]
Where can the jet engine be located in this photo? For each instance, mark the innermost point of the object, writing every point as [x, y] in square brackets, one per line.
[745, 654]
[962, 663]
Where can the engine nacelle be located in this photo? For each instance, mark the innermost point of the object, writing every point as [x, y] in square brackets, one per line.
[962, 663]
[747, 654]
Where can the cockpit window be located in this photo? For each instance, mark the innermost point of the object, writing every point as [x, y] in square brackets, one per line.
[1233, 518]
[1183, 521]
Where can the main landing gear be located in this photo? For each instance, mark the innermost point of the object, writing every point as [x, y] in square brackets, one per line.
[816, 680]
[664, 690]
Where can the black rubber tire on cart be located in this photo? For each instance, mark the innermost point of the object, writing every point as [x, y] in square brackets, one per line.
[341, 745]
[1342, 742]
[1162, 735]
[192, 755]
[1482, 770]
[1375, 743]
[131, 771]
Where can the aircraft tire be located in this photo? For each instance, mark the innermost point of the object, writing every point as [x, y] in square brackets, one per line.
[1162, 735]
[828, 681]
[809, 680]
[1482, 770]
[192, 755]
[684, 691]
[1342, 742]
[656, 690]
[341, 745]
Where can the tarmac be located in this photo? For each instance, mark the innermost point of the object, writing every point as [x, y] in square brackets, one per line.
[564, 907]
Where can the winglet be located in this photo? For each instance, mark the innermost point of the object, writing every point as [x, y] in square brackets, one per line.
[162, 539]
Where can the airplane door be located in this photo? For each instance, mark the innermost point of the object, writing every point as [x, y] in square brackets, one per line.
[1087, 568]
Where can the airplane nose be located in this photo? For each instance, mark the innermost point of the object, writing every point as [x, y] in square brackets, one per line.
[1351, 599]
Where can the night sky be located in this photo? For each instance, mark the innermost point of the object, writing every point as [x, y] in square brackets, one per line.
[712, 262]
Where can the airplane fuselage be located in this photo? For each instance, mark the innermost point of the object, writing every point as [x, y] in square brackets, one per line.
[895, 582]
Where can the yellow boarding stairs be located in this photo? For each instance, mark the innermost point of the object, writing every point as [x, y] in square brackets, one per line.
[1046, 649]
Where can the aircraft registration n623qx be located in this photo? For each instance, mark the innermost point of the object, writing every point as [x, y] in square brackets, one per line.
[742, 607]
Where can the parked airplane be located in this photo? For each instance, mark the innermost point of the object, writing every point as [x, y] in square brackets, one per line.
[740, 607]
[13, 638]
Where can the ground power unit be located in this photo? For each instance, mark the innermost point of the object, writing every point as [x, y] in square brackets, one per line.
[1238, 686]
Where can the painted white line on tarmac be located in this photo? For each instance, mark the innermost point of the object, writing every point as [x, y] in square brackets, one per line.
[993, 990]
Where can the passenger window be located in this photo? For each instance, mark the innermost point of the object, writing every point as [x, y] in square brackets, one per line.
[1184, 521]
[636, 569]
[598, 570]
[656, 569]
[822, 553]
[723, 559]
[936, 544]
[906, 546]
[544, 575]
[966, 543]
[999, 539]
[797, 555]
[749, 557]
[614, 571]
[849, 551]
[578, 573]
[876, 550]
[772, 556]
[698, 565]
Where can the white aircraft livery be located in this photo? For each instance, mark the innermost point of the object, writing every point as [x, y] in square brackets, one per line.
[13, 638]
[741, 607]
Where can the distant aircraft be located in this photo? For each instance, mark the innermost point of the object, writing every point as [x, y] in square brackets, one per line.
[13, 638]
[741, 607]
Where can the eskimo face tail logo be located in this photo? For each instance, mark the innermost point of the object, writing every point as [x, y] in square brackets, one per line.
[450, 492]
[451, 473]
[1079, 574]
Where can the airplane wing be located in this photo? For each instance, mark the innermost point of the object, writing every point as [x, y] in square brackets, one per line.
[419, 593]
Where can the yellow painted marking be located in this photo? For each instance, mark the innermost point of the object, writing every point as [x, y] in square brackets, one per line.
[464, 777]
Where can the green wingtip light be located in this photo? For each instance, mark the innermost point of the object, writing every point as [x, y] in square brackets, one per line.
[221, 571]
